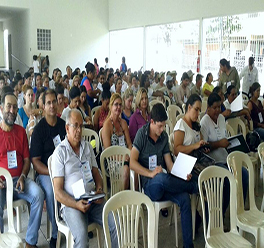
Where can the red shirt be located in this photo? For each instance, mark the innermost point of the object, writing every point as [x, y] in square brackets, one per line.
[15, 140]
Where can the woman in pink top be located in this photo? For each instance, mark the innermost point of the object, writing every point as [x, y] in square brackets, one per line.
[141, 116]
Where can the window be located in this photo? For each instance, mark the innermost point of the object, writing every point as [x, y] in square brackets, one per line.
[127, 43]
[235, 38]
[172, 46]
[44, 39]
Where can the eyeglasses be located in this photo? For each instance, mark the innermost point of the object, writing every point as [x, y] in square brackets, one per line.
[75, 126]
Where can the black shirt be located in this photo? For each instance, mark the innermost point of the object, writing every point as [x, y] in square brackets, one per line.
[42, 144]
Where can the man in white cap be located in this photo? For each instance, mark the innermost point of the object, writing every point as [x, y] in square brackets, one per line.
[190, 75]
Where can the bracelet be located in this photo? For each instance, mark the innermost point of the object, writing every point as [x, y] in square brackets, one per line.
[126, 163]
[23, 175]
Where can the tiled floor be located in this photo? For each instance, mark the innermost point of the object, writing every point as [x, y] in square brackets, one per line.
[166, 232]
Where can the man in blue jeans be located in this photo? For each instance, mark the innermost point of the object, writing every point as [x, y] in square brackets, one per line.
[150, 157]
[14, 156]
[47, 134]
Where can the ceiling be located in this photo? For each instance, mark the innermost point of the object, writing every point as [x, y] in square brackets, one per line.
[7, 13]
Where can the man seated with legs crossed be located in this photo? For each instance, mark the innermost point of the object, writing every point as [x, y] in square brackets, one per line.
[14, 156]
[150, 156]
[47, 134]
[74, 160]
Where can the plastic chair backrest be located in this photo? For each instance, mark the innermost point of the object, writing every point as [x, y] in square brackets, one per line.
[88, 135]
[132, 181]
[183, 108]
[230, 130]
[238, 126]
[173, 111]
[211, 182]
[100, 138]
[169, 127]
[9, 199]
[55, 201]
[167, 101]
[153, 102]
[236, 160]
[125, 207]
[179, 117]
[261, 153]
[204, 106]
[94, 110]
[112, 162]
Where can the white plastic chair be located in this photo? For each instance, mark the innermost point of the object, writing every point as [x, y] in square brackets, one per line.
[211, 182]
[153, 102]
[88, 135]
[114, 157]
[93, 110]
[173, 111]
[204, 106]
[183, 108]
[62, 227]
[169, 127]
[167, 101]
[157, 206]
[178, 117]
[230, 130]
[239, 127]
[252, 220]
[9, 238]
[126, 208]
[261, 157]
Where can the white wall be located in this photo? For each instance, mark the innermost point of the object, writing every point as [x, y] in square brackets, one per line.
[127, 14]
[18, 28]
[79, 30]
[2, 61]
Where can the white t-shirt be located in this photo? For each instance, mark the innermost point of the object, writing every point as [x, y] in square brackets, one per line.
[36, 66]
[20, 100]
[190, 136]
[213, 132]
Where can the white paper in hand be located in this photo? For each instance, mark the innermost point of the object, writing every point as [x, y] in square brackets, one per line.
[78, 189]
[237, 104]
[183, 165]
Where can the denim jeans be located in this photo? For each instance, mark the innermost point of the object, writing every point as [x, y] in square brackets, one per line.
[78, 222]
[35, 197]
[260, 131]
[165, 187]
[45, 184]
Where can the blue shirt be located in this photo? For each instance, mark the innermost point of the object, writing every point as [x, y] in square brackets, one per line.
[23, 116]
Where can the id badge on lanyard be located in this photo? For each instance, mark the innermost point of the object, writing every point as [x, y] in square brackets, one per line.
[11, 160]
[121, 141]
[152, 162]
[87, 173]
[218, 133]
[56, 140]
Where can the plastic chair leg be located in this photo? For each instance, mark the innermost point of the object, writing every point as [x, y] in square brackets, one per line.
[157, 227]
[262, 204]
[176, 224]
[18, 215]
[58, 239]
[98, 234]
[193, 207]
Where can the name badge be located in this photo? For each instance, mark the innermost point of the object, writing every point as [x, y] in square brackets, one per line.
[87, 173]
[11, 160]
[228, 84]
[218, 133]
[185, 99]
[260, 117]
[56, 140]
[121, 140]
[152, 162]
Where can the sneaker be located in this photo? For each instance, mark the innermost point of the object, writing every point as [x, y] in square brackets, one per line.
[53, 243]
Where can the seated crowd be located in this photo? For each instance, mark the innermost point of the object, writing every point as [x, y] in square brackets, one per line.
[41, 116]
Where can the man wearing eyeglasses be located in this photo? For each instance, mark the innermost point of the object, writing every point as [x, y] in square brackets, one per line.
[47, 135]
[73, 161]
[14, 156]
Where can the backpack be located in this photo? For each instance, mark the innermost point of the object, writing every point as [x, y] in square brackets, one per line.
[253, 140]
